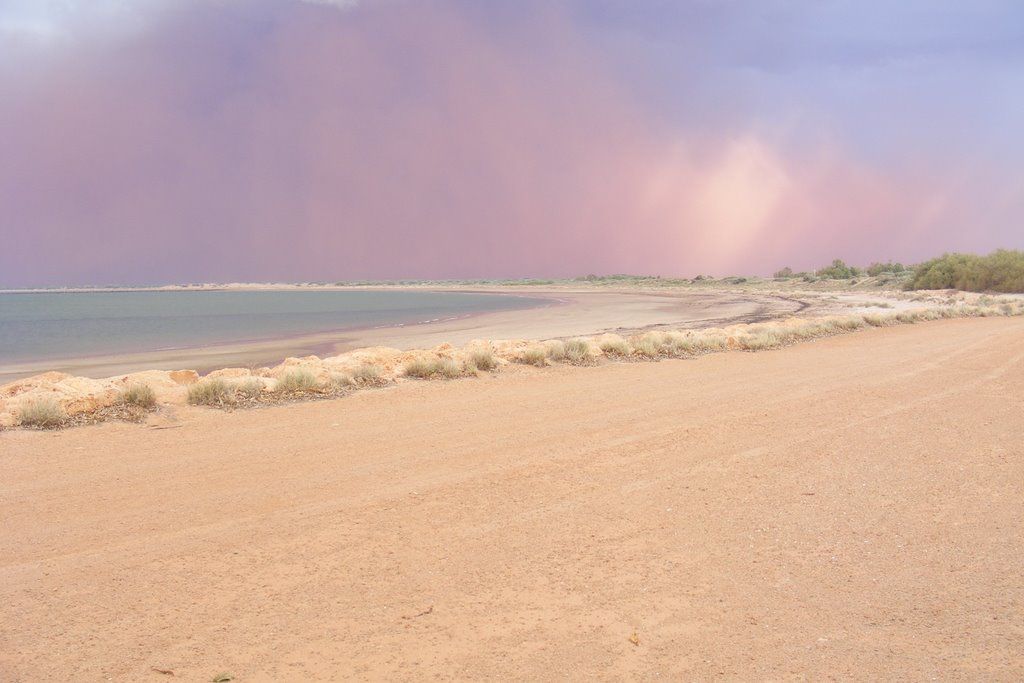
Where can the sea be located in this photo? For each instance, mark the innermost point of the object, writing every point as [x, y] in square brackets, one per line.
[40, 326]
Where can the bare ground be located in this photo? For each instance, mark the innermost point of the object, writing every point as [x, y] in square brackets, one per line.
[849, 509]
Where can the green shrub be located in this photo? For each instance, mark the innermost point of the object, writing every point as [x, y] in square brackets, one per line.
[211, 392]
[138, 395]
[876, 269]
[1000, 271]
[837, 271]
[43, 413]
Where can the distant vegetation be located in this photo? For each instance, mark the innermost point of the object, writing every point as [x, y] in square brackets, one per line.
[838, 270]
[876, 269]
[1000, 271]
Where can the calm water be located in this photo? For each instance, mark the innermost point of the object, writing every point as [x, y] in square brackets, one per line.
[72, 325]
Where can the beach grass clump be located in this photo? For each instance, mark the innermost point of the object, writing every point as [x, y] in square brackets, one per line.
[577, 352]
[680, 345]
[613, 346]
[760, 339]
[449, 368]
[879, 320]
[421, 368]
[138, 396]
[339, 381]
[675, 344]
[908, 317]
[811, 329]
[706, 343]
[536, 356]
[555, 349]
[950, 311]
[849, 323]
[249, 389]
[367, 375]
[482, 359]
[297, 382]
[439, 367]
[42, 413]
[211, 392]
[649, 346]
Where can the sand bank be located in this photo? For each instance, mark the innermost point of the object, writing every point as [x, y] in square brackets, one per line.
[844, 509]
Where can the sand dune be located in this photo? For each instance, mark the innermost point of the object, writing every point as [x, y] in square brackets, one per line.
[843, 509]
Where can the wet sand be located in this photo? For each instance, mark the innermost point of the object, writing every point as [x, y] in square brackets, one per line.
[847, 509]
[570, 312]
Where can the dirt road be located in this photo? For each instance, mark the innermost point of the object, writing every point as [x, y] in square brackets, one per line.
[849, 509]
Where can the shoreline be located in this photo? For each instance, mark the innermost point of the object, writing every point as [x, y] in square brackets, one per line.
[568, 312]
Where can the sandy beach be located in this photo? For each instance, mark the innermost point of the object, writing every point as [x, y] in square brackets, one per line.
[566, 312]
[845, 509]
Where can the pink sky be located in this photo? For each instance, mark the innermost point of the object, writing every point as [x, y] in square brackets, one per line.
[287, 140]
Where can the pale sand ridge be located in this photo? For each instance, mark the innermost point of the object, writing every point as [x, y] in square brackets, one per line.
[574, 312]
[846, 509]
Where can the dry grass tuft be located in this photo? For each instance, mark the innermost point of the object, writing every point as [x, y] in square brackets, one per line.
[138, 396]
[908, 317]
[483, 359]
[211, 392]
[431, 368]
[676, 344]
[613, 346]
[249, 389]
[648, 345]
[760, 338]
[297, 382]
[555, 349]
[368, 376]
[42, 413]
[878, 320]
[702, 343]
[577, 352]
[340, 381]
[536, 356]
[848, 324]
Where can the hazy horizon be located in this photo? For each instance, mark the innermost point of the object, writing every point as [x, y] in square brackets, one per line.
[151, 142]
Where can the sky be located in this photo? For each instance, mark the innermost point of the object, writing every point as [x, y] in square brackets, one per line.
[176, 141]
